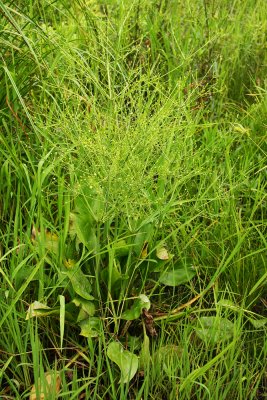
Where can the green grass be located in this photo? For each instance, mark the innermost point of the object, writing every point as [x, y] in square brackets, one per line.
[128, 127]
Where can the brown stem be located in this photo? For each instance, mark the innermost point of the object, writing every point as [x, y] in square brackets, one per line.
[17, 118]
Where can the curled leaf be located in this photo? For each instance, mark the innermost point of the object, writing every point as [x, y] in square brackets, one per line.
[87, 306]
[37, 309]
[142, 302]
[126, 361]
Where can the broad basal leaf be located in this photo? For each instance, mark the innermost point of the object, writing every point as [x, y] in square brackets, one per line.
[90, 202]
[81, 226]
[121, 248]
[167, 356]
[48, 240]
[214, 329]
[87, 306]
[258, 323]
[178, 274]
[160, 265]
[110, 275]
[142, 239]
[80, 283]
[37, 309]
[142, 302]
[126, 361]
[90, 327]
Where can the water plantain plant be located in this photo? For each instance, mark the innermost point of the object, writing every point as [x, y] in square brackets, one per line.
[105, 281]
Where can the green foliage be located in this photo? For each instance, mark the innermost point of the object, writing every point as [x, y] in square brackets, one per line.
[141, 303]
[178, 274]
[90, 327]
[133, 198]
[126, 361]
[213, 330]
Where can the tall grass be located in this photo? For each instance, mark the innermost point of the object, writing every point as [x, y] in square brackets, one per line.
[158, 111]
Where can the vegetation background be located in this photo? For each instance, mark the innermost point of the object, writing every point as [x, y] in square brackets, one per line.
[133, 162]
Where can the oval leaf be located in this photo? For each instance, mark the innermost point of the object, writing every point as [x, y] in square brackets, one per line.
[90, 327]
[258, 323]
[178, 274]
[121, 248]
[87, 306]
[81, 226]
[126, 361]
[80, 284]
[213, 329]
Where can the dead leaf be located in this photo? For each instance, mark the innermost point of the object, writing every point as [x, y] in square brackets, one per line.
[49, 389]
[35, 233]
[144, 251]
[149, 323]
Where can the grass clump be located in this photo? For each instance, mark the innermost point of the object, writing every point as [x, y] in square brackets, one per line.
[133, 200]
